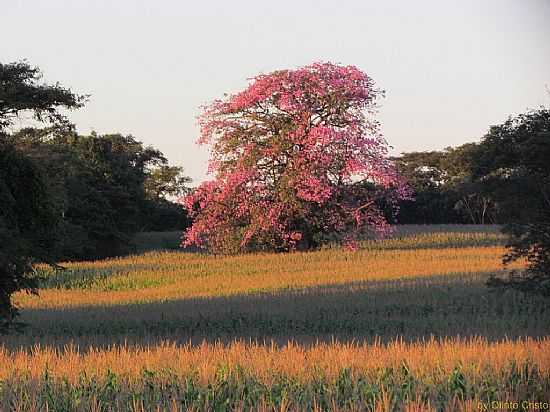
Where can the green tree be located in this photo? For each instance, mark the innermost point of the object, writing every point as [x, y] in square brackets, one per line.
[21, 92]
[28, 220]
[28, 224]
[161, 184]
[514, 161]
[166, 180]
[445, 188]
[434, 201]
[107, 197]
[101, 186]
[473, 199]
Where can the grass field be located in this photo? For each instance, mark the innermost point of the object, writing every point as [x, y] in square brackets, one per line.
[402, 324]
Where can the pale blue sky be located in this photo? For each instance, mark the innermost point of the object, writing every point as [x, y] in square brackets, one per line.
[450, 68]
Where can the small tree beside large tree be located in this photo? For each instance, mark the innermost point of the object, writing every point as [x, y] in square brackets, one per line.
[298, 160]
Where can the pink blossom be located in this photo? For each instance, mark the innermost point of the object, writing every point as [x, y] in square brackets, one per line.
[296, 149]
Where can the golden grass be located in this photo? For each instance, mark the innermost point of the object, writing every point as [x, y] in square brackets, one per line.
[415, 287]
[432, 359]
[175, 275]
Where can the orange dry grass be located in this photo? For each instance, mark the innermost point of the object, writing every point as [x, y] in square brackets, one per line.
[432, 359]
[173, 275]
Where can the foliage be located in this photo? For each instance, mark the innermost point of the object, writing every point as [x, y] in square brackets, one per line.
[433, 203]
[99, 183]
[444, 187]
[105, 193]
[163, 215]
[513, 159]
[291, 155]
[28, 222]
[165, 180]
[162, 183]
[27, 225]
[21, 92]
[530, 241]
[475, 201]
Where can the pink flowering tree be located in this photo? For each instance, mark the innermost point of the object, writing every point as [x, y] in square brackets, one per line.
[298, 160]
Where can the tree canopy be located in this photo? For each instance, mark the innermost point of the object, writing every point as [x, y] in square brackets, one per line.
[513, 160]
[28, 220]
[445, 188]
[21, 92]
[298, 160]
[28, 225]
[103, 189]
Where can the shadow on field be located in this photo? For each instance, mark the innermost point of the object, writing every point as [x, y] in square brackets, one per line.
[414, 309]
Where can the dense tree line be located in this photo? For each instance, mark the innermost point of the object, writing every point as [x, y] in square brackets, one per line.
[445, 188]
[105, 187]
